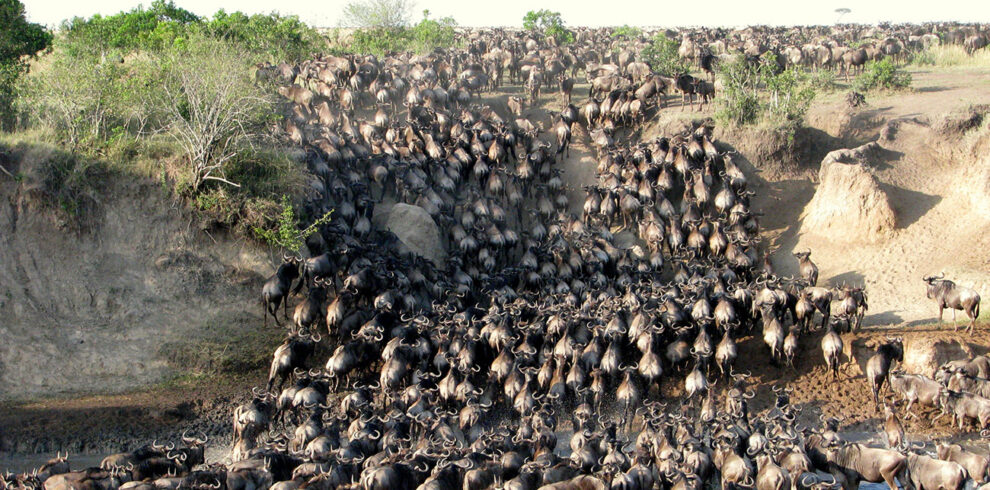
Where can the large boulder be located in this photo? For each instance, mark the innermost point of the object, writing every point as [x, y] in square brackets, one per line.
[849, 205]
[924, 355]
[417, 231]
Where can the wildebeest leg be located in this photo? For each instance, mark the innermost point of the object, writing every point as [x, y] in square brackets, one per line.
[955, 326]
[940, 316]
[875, 388]
[891, 480]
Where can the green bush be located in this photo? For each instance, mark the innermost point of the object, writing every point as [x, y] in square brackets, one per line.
[883, 74]
[549, 23]
[155, 28]
[661, 55]
[923, 58]
[75, 99]
[430, 34]
[823, 80]
[286, 234]
[270, 37]
[790, 96]
[739, 102]
[380, 40]
[757, 92]
[425, 36]
[627, 32]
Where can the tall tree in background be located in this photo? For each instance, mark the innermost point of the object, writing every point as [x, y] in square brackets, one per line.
[19, 41]
[378, 14]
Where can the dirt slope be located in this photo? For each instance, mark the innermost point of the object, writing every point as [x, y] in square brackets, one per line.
[134, 295]
[926, 168]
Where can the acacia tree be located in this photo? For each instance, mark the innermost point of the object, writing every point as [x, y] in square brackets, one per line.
[19, 39]
[378, 14]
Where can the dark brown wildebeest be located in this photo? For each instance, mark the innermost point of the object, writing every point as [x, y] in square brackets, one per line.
[686, 86]
[878, 367]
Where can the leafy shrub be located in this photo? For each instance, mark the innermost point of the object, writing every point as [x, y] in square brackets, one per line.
[154, 28]
[423, 37]
[627, 32]
[74, 99]
[661, 55]
[379, 40]
[286, 234]
[549, 23]
[429, 34]
[270, 37]
[881, 74]
[790, 96]
[757, 92]
[739, 102]
[276, 37]
[823, 80]
[923, 58]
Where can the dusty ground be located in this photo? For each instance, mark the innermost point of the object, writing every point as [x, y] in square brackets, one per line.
[937, 230]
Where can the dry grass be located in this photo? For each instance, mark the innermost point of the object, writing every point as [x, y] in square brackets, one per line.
[952, 56]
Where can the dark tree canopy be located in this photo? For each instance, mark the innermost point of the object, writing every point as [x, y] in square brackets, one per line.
[20, 37]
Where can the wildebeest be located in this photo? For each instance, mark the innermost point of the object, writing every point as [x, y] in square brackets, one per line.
[878, 366]
[926, 473]
[893, 429]
[853, 463]
[948, 295]
[964, 406]
[975, 465]
[832, 348]
[915, 388]
[809, 270]
[275, 292]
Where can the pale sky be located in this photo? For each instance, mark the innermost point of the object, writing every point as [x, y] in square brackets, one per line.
[325, 13]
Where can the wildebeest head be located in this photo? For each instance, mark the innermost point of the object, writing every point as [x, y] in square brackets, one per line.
[937, 286]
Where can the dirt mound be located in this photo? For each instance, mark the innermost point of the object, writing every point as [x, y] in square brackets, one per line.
[417, 230]
[849, 205]
[976, 174]
[923, 355]
[122, 301]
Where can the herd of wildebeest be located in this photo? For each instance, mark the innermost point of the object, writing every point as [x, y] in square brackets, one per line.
[540, 353]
